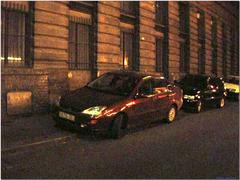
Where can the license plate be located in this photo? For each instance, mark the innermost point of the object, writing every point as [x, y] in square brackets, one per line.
[67, 116]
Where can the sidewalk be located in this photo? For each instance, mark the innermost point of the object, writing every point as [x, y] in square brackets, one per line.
[18, 131]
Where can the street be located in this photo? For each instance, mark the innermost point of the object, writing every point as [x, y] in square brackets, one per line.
[204, 145]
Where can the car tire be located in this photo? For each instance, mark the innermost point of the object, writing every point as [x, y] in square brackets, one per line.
[221, 103]
[171, 115]
[199, 107]
[117, 129]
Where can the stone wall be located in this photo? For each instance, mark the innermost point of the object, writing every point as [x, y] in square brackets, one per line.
[18, 80]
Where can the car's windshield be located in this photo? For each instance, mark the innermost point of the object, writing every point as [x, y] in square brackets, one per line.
[119, 84]
[194, 81]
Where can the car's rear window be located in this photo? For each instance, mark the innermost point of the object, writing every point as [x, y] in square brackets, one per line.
[194, 81]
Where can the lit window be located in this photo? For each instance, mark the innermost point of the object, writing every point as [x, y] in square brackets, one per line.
[127, 50]
[14, 38]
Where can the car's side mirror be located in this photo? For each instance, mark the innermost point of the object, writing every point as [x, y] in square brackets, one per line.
[170, 86]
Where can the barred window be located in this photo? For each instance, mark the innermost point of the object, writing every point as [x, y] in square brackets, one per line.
[184, 17]
[184, 34]
[201, 41]
[14, 37]
[232, 67]
[201, 60]
[82, 34]
[214, 45]
[128, 7]
[224, 50]
[126, 42]
[79, 43]
[183, 57]
[161, 56]
[161, 14]
[201, 26]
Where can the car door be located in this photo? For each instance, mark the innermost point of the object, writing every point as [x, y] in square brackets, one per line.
[161, 98]
[219, 89]
[210, 94]
[142, 110]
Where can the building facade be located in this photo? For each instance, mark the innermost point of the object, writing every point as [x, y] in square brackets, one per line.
[49, 48]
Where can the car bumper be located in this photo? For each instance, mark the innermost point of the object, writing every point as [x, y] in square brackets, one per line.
[82, 121]
[190, 104]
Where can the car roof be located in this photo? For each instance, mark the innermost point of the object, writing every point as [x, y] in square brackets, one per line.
[204, 76]
[135, 74]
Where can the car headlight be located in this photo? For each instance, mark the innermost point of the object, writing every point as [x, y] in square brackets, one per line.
[94, 111]
[191, 97]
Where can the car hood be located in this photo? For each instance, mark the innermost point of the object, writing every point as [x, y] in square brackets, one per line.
[191, 90]
[85, 98]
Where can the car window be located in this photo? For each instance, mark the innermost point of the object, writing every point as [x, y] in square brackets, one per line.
[160, 85]
[216, 83]
[194, 81]
[146, 87]
[119, 84]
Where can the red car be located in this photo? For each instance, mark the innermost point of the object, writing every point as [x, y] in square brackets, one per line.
[118, 100]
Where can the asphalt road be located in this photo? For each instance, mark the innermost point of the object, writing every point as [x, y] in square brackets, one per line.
[204, 145]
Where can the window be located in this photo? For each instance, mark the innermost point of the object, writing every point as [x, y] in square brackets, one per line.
[15, 38]
[81, 32]
[127, 50]
[79, 45]
[201, 41]
[224, 50]
[161, 56]
[184, 34]
[232, 68]
[214, 45]
[184, 68]
[201, 26]
[161, 15]
[184, 17]
[129, 40]
[128, 7]
[201, 60]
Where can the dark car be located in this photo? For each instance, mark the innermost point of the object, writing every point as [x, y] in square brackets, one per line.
[199, 90]
[118, 100]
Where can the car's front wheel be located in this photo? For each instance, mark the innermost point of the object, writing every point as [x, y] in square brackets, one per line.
[171, 116]
[221, 103]
[117, 129]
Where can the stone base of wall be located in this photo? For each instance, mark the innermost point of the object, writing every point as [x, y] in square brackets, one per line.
[19, 80]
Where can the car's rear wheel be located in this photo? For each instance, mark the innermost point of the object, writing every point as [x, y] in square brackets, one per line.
[198, 107]
[171, 116]
[221, 103]
[117, 129]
